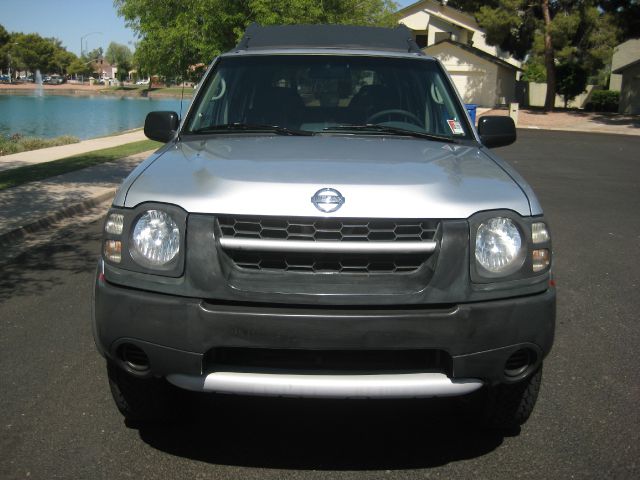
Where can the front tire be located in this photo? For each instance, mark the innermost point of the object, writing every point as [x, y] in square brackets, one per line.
[508, 406]
[142, 399]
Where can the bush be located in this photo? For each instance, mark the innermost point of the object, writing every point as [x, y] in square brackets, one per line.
[17, 143]
[603, 101]
[571, 81]
[534, 72]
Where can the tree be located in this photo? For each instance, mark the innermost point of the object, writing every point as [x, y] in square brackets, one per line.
[79, 67]
[32, 52]
[120, 56]
[549, 32]
[61, 61]
[571, 81]
[93, 55]
[4, 48]
[549, 58]
[4, 36]
[533, 71]
[625, 15]
[176, 34]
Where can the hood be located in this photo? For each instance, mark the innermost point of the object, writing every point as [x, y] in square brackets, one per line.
[379, 177]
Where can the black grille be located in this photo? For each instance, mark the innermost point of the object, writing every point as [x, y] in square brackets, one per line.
[292, 262]
[329, 360]
[338, 230]
[343, 230]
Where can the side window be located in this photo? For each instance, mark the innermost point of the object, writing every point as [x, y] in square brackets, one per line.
[214, 106]
[446, 120]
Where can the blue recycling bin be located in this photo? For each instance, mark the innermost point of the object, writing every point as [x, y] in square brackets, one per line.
[471, 109]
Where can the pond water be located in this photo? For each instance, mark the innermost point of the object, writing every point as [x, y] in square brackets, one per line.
[82, 117]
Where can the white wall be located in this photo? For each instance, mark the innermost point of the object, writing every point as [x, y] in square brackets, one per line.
[475, 78]
[435, 17]
[538, 92]
[417, 20]
[630, 91]
[506, 86]
[623, 54]
[437, 25]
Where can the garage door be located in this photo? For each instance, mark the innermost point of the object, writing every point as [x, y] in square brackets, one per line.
[472, 87]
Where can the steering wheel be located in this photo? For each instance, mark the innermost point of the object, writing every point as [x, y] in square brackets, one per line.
[395, 111]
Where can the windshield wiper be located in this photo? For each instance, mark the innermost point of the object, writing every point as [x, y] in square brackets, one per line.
[248, 127]
[372, 127]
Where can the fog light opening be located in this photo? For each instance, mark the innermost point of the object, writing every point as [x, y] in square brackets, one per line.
[519, 361]
[134, 357]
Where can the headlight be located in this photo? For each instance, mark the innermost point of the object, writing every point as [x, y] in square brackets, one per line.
[498, 245]
[155, 239]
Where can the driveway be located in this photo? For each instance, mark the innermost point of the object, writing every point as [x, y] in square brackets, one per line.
[58, 420]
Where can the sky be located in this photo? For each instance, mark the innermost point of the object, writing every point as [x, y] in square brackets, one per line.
[70, 20]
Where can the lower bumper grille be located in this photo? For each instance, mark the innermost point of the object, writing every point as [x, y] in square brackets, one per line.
[334, 361]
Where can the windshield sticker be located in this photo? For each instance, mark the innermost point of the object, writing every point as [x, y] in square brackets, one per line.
[455, 127]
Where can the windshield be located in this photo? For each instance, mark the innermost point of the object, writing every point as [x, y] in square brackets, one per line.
[326, 93]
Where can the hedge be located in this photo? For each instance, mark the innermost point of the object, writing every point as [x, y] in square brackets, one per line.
[603, 101]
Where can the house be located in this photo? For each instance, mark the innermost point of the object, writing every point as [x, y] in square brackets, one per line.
[624, 54]
[103, 68]
[625, 75]
[630, 88]
[483, 74]
[480, 78]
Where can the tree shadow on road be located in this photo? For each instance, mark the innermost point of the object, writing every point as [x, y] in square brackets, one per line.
[307, 434]
[41, 268]
[616, 119]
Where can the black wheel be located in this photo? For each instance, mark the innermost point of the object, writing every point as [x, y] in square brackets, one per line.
[507, 406]
[142, 399]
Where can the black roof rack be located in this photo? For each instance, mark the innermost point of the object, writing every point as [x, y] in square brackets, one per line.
[397, 39]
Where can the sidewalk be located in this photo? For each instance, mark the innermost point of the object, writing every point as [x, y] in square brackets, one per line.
[55, 153]
[34, 206]
[574, 121]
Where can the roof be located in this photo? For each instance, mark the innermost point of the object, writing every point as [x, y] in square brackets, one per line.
[627, 66]
[351, 37]
[625, 54]
[443, 7]
[477, 52]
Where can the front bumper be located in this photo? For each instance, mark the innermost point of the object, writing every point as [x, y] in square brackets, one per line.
[177, 333]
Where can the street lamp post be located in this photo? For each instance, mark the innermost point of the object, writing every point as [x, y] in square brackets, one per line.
[81, 51]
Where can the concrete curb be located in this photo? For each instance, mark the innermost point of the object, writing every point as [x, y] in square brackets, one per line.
[41, 224]
[577, 130]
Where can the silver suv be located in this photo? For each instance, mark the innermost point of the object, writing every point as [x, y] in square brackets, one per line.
[326, 221]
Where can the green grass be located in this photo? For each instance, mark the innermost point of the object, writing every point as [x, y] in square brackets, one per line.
[32, 173]
[125, 87]
[143, 89]
[17, 143]
[188, 91]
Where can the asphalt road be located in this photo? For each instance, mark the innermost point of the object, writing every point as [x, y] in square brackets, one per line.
[57, 418]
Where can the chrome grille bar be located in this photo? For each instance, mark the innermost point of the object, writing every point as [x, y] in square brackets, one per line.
[303, 246]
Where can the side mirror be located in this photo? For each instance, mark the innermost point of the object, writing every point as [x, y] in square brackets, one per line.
[496, 131]
[161, 126]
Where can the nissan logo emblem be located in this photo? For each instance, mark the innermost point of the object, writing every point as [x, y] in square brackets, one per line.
[327, 200]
